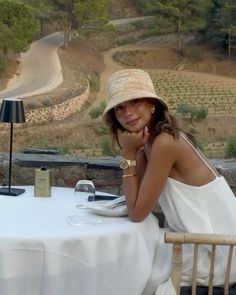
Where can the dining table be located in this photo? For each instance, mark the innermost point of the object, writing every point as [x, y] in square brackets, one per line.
[41, 253]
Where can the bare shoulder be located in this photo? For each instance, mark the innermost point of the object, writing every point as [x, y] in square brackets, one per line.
[165, 140]
[165, 147]
[164, 153]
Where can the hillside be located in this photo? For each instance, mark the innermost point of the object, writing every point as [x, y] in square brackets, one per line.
[209, 81]
[204, 77]
[85, 136]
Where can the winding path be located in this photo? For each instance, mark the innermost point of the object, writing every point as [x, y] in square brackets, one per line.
[110, 66]
[39, 69]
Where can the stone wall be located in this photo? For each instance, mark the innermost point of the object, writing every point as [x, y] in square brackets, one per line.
[58, 111]
[66, 170]
[55, 112]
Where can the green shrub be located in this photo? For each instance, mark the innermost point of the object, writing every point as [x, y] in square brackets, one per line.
[96, 112]
[106, 148]
[193, 113]
[102, 106]
[184, 109]
[94, 82]
[200, 113]
[230, 151]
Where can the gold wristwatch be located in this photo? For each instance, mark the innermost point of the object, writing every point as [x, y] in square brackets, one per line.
[125, 164]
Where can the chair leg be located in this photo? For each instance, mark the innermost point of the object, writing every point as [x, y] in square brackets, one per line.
[177, 267]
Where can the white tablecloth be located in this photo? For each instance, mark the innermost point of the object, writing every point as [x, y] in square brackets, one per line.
[41, 254]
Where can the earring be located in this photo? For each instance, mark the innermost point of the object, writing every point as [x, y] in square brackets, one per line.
[152, 109]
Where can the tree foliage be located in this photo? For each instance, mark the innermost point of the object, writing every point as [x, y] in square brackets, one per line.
[228, 24]
[91, 13]
[41, 10]
[18, 26]
[210, 20]
[79, 14]
[179, 17]
[221, 29]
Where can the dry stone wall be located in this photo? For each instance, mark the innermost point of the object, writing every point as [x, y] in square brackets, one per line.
[55, 112]
[58, 111]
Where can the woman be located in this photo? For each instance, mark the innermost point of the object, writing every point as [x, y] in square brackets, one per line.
[161, 163]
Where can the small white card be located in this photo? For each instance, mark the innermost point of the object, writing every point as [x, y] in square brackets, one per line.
[42, 184]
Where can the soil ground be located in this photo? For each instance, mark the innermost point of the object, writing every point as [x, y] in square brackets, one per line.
[80, 133]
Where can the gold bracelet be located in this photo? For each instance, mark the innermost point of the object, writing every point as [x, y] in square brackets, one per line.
[128, 175]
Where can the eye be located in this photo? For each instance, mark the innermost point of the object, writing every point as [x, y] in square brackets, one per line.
[118, 108]
[134, 101]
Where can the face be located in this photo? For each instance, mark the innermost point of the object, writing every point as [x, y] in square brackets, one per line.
[134, 114]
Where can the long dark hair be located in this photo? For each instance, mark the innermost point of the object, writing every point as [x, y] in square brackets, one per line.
[161, 121]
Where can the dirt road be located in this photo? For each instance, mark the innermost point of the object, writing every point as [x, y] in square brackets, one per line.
[39, 69]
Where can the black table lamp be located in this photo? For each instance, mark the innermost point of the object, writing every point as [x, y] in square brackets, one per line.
[12, 111]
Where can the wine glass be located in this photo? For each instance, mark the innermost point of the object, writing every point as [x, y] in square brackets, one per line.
[84, 192]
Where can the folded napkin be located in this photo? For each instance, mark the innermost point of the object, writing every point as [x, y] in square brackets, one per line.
[113, 208]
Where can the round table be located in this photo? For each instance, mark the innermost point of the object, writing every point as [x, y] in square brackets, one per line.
[42, 254]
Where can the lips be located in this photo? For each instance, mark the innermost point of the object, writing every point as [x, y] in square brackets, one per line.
[132, 122]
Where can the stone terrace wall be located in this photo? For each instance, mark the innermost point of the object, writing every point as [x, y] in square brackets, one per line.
[58, 111]
[66, 170]
[55, 112]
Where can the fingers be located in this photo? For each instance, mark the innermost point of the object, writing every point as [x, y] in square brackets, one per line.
[145, 134]
[133, 140]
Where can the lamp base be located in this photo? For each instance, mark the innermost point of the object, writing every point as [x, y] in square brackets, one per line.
[12, 192]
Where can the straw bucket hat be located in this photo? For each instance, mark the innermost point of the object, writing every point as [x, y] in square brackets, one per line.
[129, 84]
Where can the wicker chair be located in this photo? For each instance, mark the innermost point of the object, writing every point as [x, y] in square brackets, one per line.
[178, 239]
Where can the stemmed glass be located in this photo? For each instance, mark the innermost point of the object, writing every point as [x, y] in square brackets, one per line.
[84, 192]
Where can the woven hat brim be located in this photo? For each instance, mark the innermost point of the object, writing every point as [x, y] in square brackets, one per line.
[117, 99]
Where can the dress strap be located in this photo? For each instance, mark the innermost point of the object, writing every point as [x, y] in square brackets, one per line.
[198, 153]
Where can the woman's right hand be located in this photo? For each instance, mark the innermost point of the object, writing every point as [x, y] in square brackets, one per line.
[131, 142]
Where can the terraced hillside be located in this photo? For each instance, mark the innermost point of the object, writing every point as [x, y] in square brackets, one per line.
[207, 81]
[217, 94]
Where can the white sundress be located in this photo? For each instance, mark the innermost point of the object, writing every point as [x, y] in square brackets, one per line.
[210, 208]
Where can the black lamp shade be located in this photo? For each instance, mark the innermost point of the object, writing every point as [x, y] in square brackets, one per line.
[12, 111]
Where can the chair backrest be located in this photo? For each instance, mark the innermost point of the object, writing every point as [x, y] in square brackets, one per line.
[178, 239]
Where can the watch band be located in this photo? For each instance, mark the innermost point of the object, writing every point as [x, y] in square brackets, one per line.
[126, 163]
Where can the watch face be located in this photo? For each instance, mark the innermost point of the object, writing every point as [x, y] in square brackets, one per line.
[124, 164]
